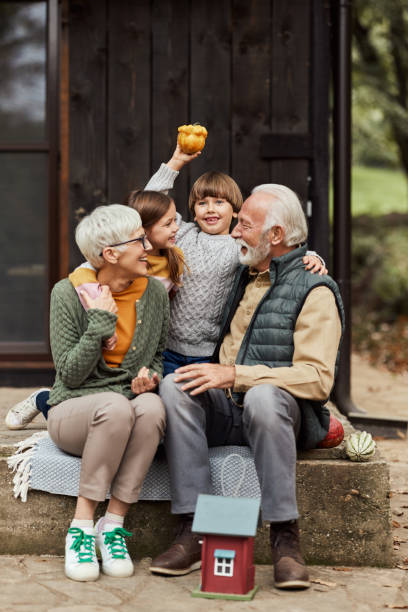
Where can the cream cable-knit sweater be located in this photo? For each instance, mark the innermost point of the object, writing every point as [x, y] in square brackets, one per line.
[197, 308]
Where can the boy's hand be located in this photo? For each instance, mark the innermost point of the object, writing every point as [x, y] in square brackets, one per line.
[143, 383]
[180, 159]
[314, 264]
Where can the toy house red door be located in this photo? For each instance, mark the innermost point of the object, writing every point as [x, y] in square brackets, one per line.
[227, 564]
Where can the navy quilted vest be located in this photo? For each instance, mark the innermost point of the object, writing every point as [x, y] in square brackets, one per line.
[269, 337]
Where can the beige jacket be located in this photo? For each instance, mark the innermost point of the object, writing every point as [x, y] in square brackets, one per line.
[316, 339]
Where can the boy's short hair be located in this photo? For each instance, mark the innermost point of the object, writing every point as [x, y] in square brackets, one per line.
[104, 226]
[216, 185]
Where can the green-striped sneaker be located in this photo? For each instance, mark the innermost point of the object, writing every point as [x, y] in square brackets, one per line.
[112, 546]
[81, 562]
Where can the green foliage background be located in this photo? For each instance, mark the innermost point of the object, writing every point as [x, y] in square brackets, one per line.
[379, 274]
[379, 181]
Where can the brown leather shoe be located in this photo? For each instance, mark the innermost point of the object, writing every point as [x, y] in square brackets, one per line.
[290, 570]
[183, 556]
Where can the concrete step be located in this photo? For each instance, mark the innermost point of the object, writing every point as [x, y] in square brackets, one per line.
[344, 507]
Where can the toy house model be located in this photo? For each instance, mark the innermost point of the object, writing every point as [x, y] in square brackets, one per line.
[228, 526]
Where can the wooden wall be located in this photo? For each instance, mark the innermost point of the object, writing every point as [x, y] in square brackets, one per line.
[249, 71]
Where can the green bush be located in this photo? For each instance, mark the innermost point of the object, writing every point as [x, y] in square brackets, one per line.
[380, 264]
[379, 282]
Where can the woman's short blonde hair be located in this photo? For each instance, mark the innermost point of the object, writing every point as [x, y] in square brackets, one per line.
[104, 226]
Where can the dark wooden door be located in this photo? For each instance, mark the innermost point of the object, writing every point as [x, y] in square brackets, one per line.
[255, 73]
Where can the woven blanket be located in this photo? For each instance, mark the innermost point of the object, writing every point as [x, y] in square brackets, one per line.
[39, 464]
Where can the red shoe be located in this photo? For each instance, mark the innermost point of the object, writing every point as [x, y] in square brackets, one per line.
[334, 436]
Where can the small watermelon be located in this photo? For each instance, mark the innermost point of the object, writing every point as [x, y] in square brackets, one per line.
[360, 446]
[334, 436]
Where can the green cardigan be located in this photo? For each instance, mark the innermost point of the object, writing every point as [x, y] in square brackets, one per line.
[76, 342]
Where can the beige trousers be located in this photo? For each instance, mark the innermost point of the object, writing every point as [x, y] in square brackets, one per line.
[117, 439]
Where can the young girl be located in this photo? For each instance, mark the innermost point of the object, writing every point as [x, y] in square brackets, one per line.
[212, 258]
[158, 213]
[166, 263]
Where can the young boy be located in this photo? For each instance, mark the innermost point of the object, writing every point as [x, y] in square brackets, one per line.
[212, 258]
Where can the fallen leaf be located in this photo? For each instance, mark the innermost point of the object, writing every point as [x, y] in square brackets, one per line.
[398, 513]
[324, 582]
[342, 569]
[355, 492]
[320, 589]
[396, 524]
[402, 567]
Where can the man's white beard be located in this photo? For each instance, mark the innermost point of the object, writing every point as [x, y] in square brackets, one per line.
[254, 255]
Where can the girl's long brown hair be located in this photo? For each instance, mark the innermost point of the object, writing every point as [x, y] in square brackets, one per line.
[151, 206]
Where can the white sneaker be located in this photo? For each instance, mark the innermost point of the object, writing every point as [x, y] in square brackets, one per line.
[23, 413]
[80, 555]
[112, 546]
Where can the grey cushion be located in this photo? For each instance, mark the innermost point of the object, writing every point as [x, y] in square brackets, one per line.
[232, 473]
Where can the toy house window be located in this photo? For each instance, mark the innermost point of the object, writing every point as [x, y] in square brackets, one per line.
[224, 562]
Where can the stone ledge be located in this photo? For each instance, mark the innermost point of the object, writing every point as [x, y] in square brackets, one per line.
[344, 507]
[345, 510]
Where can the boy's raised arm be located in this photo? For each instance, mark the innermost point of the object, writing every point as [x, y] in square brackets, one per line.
[164, 178]
[180, 159]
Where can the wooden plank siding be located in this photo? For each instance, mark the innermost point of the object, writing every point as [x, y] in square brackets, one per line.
[251, 65]
[128, 97]
[88, 100]
[211, 82]
[245, 69]
[290, 95]
[170, 85]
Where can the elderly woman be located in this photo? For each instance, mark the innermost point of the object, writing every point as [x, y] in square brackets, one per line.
[107, 351]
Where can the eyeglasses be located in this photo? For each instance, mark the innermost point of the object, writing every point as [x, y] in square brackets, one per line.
[141, 239]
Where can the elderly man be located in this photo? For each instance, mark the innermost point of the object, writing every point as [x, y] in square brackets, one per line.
[277, 355]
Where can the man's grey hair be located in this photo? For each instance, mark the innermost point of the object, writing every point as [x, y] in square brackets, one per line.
[286, 211]
[104, 226]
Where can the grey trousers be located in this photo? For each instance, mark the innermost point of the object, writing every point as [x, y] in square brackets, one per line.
[117, 439]
[268, 423]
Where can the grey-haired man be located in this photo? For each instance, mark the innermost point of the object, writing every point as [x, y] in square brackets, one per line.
[274, 369]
